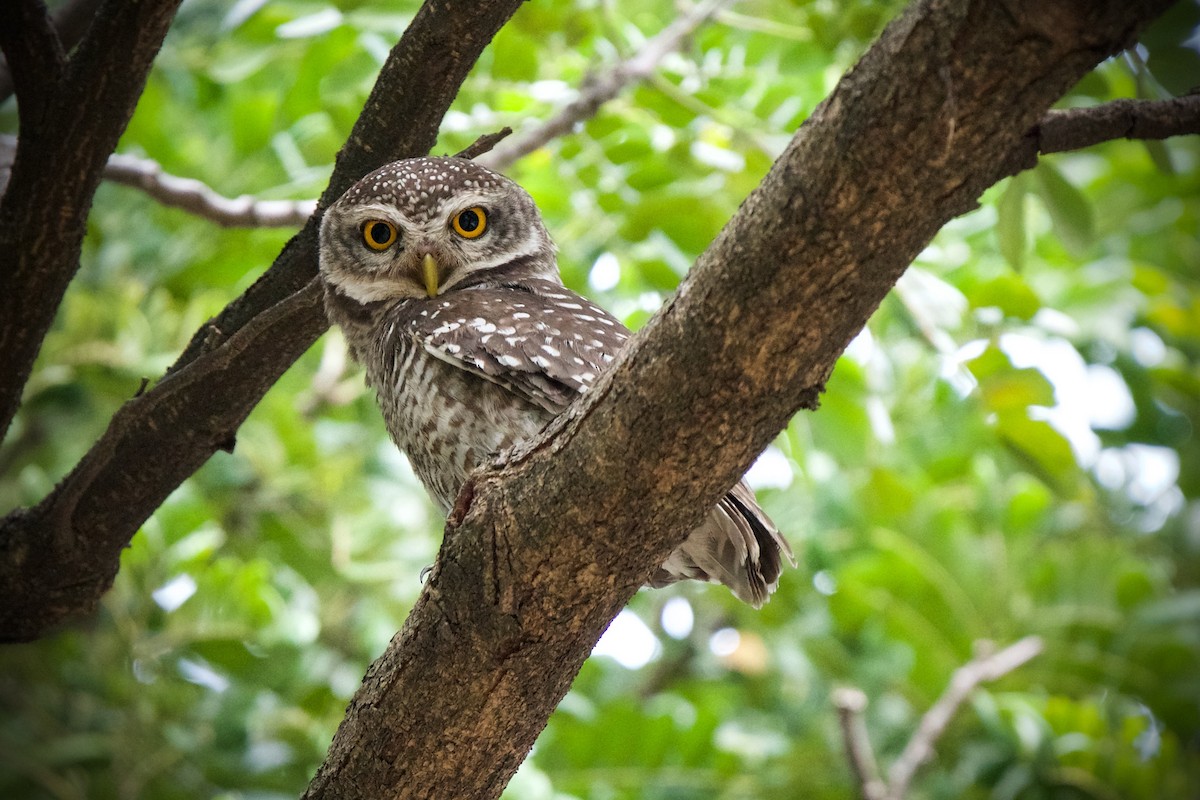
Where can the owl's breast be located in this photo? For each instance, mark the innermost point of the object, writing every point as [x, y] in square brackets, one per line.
[446, 420]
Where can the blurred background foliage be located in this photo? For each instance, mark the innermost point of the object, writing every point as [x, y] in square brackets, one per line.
[1010, 448]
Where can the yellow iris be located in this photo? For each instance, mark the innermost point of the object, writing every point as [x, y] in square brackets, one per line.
[470, 224]
[379, 234]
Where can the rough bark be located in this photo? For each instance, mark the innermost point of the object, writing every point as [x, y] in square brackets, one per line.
[1077, 128]
[72, 112]
[544, 550]
[59, 557]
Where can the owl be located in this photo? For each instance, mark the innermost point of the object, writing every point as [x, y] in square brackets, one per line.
[445, 283]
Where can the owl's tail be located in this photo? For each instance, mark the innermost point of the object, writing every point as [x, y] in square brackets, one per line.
[737, 545]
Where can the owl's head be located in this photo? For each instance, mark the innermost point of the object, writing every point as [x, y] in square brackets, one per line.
[426, 226]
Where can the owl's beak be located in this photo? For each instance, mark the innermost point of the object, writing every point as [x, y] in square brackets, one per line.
[429, 269]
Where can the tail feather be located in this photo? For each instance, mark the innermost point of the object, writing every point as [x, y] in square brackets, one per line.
[737, 545]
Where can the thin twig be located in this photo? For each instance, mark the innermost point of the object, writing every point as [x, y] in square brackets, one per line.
[187, 194]
[850, 704]
[200, 199]
[483, 144]
[985, 667]
[1077, 128]
[598, 89]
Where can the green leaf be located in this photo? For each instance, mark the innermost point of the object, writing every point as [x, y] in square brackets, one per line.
[1006, 388]
[1010, 222]
[1070, 212]
[1041, 447]
[1009, 293]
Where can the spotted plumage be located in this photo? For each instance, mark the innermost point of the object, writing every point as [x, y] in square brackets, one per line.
[443, 278]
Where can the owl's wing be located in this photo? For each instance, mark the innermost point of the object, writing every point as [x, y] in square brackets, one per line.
[547, 345]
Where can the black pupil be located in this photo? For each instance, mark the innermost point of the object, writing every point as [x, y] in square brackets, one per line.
[380, 233]
[468, 220]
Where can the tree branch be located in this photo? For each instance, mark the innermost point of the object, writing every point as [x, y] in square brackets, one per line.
[598, 89]
[850, 704]
[484, 143]
[1077, 128]
[985, 667]
[59, 557]
[200, 199]
[58, 162]
[197, 197]
[33, 53]
[1058, 131]
[557, 537]
[70, 21]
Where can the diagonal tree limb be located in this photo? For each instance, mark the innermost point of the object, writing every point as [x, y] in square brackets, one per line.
[70, 21]
[484, 144]
[850, 703]
[59, 557]
[985, 667]
[33, 54]
[599, 88]
[557, 538]
[66, 137]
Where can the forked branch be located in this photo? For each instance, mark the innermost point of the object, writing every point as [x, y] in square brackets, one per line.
[851, 703]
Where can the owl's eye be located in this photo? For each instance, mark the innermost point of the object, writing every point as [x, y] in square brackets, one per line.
[378, 234]
[470, 224]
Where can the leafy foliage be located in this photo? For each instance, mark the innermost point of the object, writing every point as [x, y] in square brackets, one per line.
[1009, 448]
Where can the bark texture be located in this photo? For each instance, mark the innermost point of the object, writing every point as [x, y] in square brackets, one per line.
[72, 112]
[543, 550]
[58, 558]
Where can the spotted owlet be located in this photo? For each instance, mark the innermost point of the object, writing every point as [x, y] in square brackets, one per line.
[444, 280]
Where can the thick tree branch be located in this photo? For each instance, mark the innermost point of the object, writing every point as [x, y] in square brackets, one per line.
[66, 137]
[33, 54]
[600, 88]
[555, 540]
[59, 557]
[70, 21]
